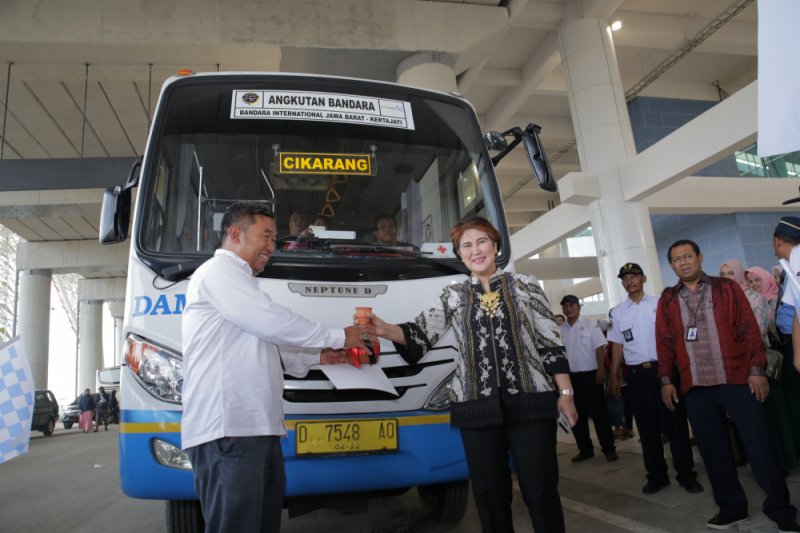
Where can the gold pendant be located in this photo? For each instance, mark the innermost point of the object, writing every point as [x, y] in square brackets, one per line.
[490, 301]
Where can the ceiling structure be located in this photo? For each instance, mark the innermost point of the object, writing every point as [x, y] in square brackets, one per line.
[76, 82]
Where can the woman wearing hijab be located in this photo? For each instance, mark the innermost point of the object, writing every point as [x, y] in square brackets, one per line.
[733, 269]
[763, 282]
[511, 381]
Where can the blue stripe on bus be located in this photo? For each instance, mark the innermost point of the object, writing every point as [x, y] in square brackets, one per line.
[416, 463]
[144, 416]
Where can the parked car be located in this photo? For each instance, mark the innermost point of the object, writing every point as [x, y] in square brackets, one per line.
[45, 412]
[71, 414]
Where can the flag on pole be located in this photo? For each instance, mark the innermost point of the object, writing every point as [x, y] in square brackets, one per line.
[16, 400]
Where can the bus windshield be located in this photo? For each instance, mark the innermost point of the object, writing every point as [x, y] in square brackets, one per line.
[339, 162]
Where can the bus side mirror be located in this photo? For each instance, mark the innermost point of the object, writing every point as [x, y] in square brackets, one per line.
[495, 141]
[533, 148]
[537, 158]
[115, 215]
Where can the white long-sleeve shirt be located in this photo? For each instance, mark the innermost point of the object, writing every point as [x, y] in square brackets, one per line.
[233, 380]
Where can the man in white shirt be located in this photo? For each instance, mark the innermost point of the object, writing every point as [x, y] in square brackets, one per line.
[784, 241]
[586, 352]
[633, 328]
[233, 379]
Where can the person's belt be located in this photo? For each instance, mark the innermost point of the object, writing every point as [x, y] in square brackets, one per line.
[648, 364]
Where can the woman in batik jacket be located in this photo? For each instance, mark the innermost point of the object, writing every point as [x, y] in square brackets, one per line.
[511, 382]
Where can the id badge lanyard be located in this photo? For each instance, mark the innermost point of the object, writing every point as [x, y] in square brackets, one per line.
[691, 329]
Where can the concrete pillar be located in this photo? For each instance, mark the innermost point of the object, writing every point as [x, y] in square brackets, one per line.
[34, 321]
[556, 288]
[430, 70]
[91, 343]
[117, 310]
[622, 230]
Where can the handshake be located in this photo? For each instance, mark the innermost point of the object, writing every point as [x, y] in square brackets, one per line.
[361, 343]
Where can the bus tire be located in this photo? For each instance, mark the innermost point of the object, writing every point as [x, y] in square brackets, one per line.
[446, 503]
[184, 516]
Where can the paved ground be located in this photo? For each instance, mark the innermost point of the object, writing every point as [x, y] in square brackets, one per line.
[69, 482]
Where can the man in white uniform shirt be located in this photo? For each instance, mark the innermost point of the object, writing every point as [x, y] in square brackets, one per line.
[633, 332]
[786, 234]
[233, 379]
[586, 352]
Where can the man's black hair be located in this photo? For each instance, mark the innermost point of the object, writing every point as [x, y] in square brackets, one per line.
[243, 213]
[682, 242]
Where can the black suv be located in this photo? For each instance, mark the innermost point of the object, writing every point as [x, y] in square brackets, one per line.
[71, 414]
[45, 412]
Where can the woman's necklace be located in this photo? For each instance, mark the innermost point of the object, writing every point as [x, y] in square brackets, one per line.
[489, 302]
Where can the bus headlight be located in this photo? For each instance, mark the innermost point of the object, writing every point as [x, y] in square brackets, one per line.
[440, 399]
[170, 455]
[160, 371]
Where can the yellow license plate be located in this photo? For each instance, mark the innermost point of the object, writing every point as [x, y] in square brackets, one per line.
[346, 436]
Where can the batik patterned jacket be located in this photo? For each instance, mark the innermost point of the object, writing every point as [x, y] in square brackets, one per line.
[508, 354]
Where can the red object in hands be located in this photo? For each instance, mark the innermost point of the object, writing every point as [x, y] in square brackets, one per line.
[373, 344]
[355, 355]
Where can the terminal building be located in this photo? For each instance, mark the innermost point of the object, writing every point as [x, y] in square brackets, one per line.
[648, 116]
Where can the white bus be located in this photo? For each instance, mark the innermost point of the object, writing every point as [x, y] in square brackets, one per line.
[343, 151]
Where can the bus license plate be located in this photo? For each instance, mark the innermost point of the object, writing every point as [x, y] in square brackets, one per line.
[346, 436]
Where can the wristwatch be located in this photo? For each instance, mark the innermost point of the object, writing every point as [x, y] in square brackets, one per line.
[566, 392]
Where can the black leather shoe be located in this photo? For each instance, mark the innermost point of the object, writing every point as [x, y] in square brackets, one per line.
[654, 486]
[612, 456]
[692, 486]
[582, 457]
[720, 522]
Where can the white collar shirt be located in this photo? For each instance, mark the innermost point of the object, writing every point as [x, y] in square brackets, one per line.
[233, 378]
[633, 325]
[582, 340]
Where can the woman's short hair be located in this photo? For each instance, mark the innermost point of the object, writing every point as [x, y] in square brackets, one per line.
[478, 223]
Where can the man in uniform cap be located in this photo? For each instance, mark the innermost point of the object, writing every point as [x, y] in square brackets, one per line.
[586, 352]
[785, 241]
[633, 328]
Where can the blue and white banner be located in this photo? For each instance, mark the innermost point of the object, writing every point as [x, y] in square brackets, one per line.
[16, 400]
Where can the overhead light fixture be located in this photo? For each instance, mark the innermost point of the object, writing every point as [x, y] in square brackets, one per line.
[617, 24]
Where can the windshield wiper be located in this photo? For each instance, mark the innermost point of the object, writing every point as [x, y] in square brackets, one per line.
[181, 271]
[402, 250]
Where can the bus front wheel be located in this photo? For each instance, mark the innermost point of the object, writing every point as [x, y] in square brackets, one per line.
[184, 516]
[446, 503]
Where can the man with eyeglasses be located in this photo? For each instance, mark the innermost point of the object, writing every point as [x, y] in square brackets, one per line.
[705, 324]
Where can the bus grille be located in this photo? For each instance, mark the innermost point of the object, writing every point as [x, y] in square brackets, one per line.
[322, 393]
